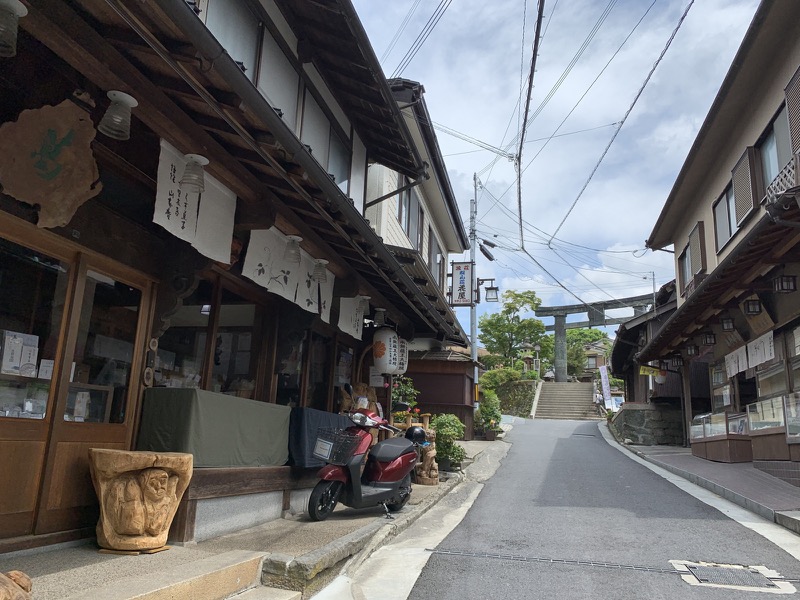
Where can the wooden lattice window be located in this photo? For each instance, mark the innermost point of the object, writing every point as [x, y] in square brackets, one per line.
[745, 182]
[697, 249]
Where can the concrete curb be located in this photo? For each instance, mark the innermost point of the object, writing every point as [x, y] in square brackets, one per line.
[313, 570]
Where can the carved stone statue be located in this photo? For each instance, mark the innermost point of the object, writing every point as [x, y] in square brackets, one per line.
[139, 493]
[427, 471]
[15, 585]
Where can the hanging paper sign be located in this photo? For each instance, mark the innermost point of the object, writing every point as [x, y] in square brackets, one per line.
[385, 350]
[402, 357]
[760, 350]
[736, 362]
[326, 297]
[307, 287]
[461, 292]
[265, 263]
[351, 319]
[645, 370]
[204, 220]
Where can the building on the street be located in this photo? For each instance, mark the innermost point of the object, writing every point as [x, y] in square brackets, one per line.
[732, 217]
[208, 259]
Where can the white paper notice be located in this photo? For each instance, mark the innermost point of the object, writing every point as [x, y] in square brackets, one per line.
[736, 362]
[351, 319]
[760, 350]
[176, 210]
[307, 288]
[326, 297]
[215, 223]
[265, 264]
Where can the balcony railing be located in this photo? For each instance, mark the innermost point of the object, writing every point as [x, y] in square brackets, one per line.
[787, 178]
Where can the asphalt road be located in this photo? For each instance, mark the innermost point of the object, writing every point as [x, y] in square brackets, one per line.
[564, 493]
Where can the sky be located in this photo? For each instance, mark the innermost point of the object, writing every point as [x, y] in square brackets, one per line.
[593, 62]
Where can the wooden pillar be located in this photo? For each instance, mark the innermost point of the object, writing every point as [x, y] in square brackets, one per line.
[686, 397]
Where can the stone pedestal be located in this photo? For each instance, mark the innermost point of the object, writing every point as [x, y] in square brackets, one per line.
[139, 494]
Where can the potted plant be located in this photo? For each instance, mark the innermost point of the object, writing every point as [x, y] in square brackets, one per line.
[490, 414]
[448, 429]
[403, 390]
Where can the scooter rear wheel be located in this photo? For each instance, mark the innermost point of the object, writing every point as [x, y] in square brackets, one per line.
[404, 493]
[323, 499]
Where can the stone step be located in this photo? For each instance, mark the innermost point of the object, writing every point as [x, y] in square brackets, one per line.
[213, 578]
[267, 593]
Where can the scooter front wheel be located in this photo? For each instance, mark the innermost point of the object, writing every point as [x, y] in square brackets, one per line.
[323, 499]
[404, 495]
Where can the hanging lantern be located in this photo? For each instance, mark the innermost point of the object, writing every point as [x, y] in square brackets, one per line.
[385, 350]
[402, 357]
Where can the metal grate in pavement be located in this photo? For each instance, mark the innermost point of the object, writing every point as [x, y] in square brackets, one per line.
[725, 575]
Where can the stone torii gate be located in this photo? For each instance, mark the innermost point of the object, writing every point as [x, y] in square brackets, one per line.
[597, 318]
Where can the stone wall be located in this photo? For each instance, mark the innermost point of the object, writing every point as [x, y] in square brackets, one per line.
[649, 424]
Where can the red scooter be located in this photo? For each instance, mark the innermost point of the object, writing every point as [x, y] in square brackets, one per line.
[358, 476]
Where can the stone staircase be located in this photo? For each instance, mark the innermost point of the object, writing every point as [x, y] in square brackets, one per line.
[571, 401]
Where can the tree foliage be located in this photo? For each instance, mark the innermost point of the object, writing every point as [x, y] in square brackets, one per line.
[503, 332]
[576, 340]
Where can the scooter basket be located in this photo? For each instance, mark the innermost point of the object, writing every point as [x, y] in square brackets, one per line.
[335, 446]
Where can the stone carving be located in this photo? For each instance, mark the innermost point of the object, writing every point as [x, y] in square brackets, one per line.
[427, 471]
[139, 493]
[15, 585]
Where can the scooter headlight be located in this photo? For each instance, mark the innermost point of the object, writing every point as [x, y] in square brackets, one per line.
[363, 420]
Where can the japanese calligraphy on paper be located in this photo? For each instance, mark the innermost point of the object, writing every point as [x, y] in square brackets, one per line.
[351, 318]
[760, 350]
[204, 220]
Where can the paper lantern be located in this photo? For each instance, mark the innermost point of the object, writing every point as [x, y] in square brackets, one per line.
[385, 350]
[402, 357]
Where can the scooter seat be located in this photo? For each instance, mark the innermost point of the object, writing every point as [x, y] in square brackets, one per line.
[388, 450]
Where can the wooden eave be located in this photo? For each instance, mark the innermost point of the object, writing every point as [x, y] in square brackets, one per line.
[190, 101]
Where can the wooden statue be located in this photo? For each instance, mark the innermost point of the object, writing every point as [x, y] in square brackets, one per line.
[427, 471]
[139, 494]
[15, 585]
[363, 396]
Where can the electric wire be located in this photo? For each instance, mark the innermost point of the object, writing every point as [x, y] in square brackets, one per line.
[400, 31]
[422, 37]
[625, 118]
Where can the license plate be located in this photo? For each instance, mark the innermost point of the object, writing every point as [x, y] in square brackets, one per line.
[322, 449]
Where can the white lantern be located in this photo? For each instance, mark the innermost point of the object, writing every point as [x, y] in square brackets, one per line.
[402, 357]
[385, 350]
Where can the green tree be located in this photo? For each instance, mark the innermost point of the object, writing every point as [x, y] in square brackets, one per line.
[503, 332]
[576, 340]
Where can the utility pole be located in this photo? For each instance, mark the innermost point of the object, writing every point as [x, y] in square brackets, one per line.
[473, 311]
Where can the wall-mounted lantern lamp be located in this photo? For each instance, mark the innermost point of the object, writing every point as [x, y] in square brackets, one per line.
[116, 122]
[363, 304]
[492, 291]
[380, 317]
[193, 179]
[784, 284]
[10, 13]
[727, 324]
[708, 339]
[692, 350]
[752, 307]
[291, 253]
[320, 273]
[677, 361]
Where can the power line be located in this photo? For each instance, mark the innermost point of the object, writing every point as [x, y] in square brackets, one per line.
[422, 37]
[625, 118]
[400, 30]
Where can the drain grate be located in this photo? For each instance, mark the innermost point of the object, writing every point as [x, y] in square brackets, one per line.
[737, 576]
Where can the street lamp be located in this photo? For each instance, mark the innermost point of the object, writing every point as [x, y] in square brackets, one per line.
[491, 291]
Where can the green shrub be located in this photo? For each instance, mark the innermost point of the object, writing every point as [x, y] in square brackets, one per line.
[488, 415]
[448, 429]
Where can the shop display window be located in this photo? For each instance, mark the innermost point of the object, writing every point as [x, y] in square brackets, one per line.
[697, 427]
[31, 306]
[235, 347]
[291, 351]
[716, 425]
[771, 382]
[722, 397]
[765, 414]
[737, 424]
[182, 348]
[792, 412]
[100, 380]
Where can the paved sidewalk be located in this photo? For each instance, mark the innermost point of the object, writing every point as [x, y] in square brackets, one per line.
[295, 551]
[741, 483]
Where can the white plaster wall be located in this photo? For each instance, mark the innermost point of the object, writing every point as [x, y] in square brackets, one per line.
[358, 174]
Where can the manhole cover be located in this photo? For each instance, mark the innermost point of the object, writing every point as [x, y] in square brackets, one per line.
[730, 576]
[736, 577]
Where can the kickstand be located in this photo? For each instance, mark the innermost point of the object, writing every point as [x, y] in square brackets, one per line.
[386, 509]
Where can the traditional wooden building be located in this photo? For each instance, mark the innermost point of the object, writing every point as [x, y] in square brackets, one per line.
[215, 250]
